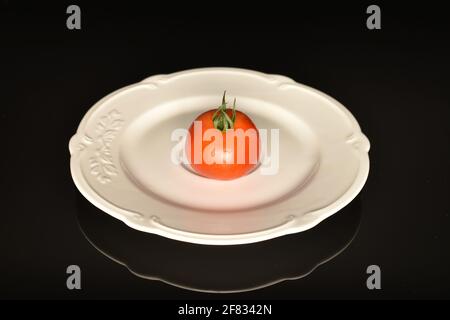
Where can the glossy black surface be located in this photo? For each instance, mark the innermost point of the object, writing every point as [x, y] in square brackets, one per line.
[395, 81]
[219, 268]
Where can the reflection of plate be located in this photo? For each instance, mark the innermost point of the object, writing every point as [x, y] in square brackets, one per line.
[219, 268]
[121, 158]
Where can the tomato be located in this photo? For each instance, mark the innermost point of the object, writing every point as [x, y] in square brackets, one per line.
[223, 143]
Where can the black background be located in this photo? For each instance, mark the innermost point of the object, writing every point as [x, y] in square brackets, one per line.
[394, 80]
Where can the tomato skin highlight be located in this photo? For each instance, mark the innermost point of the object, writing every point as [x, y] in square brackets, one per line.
[223, 171]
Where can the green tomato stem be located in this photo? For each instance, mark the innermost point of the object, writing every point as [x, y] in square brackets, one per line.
[221, 119]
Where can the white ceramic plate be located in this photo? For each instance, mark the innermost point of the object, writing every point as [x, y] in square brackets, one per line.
[121, 158]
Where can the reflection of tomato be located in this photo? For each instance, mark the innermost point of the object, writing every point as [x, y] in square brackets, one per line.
[226, 160]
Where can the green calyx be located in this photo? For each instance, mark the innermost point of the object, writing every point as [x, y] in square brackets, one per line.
[221, 119]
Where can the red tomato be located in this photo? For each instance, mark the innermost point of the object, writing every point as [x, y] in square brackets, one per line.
[223, 144]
